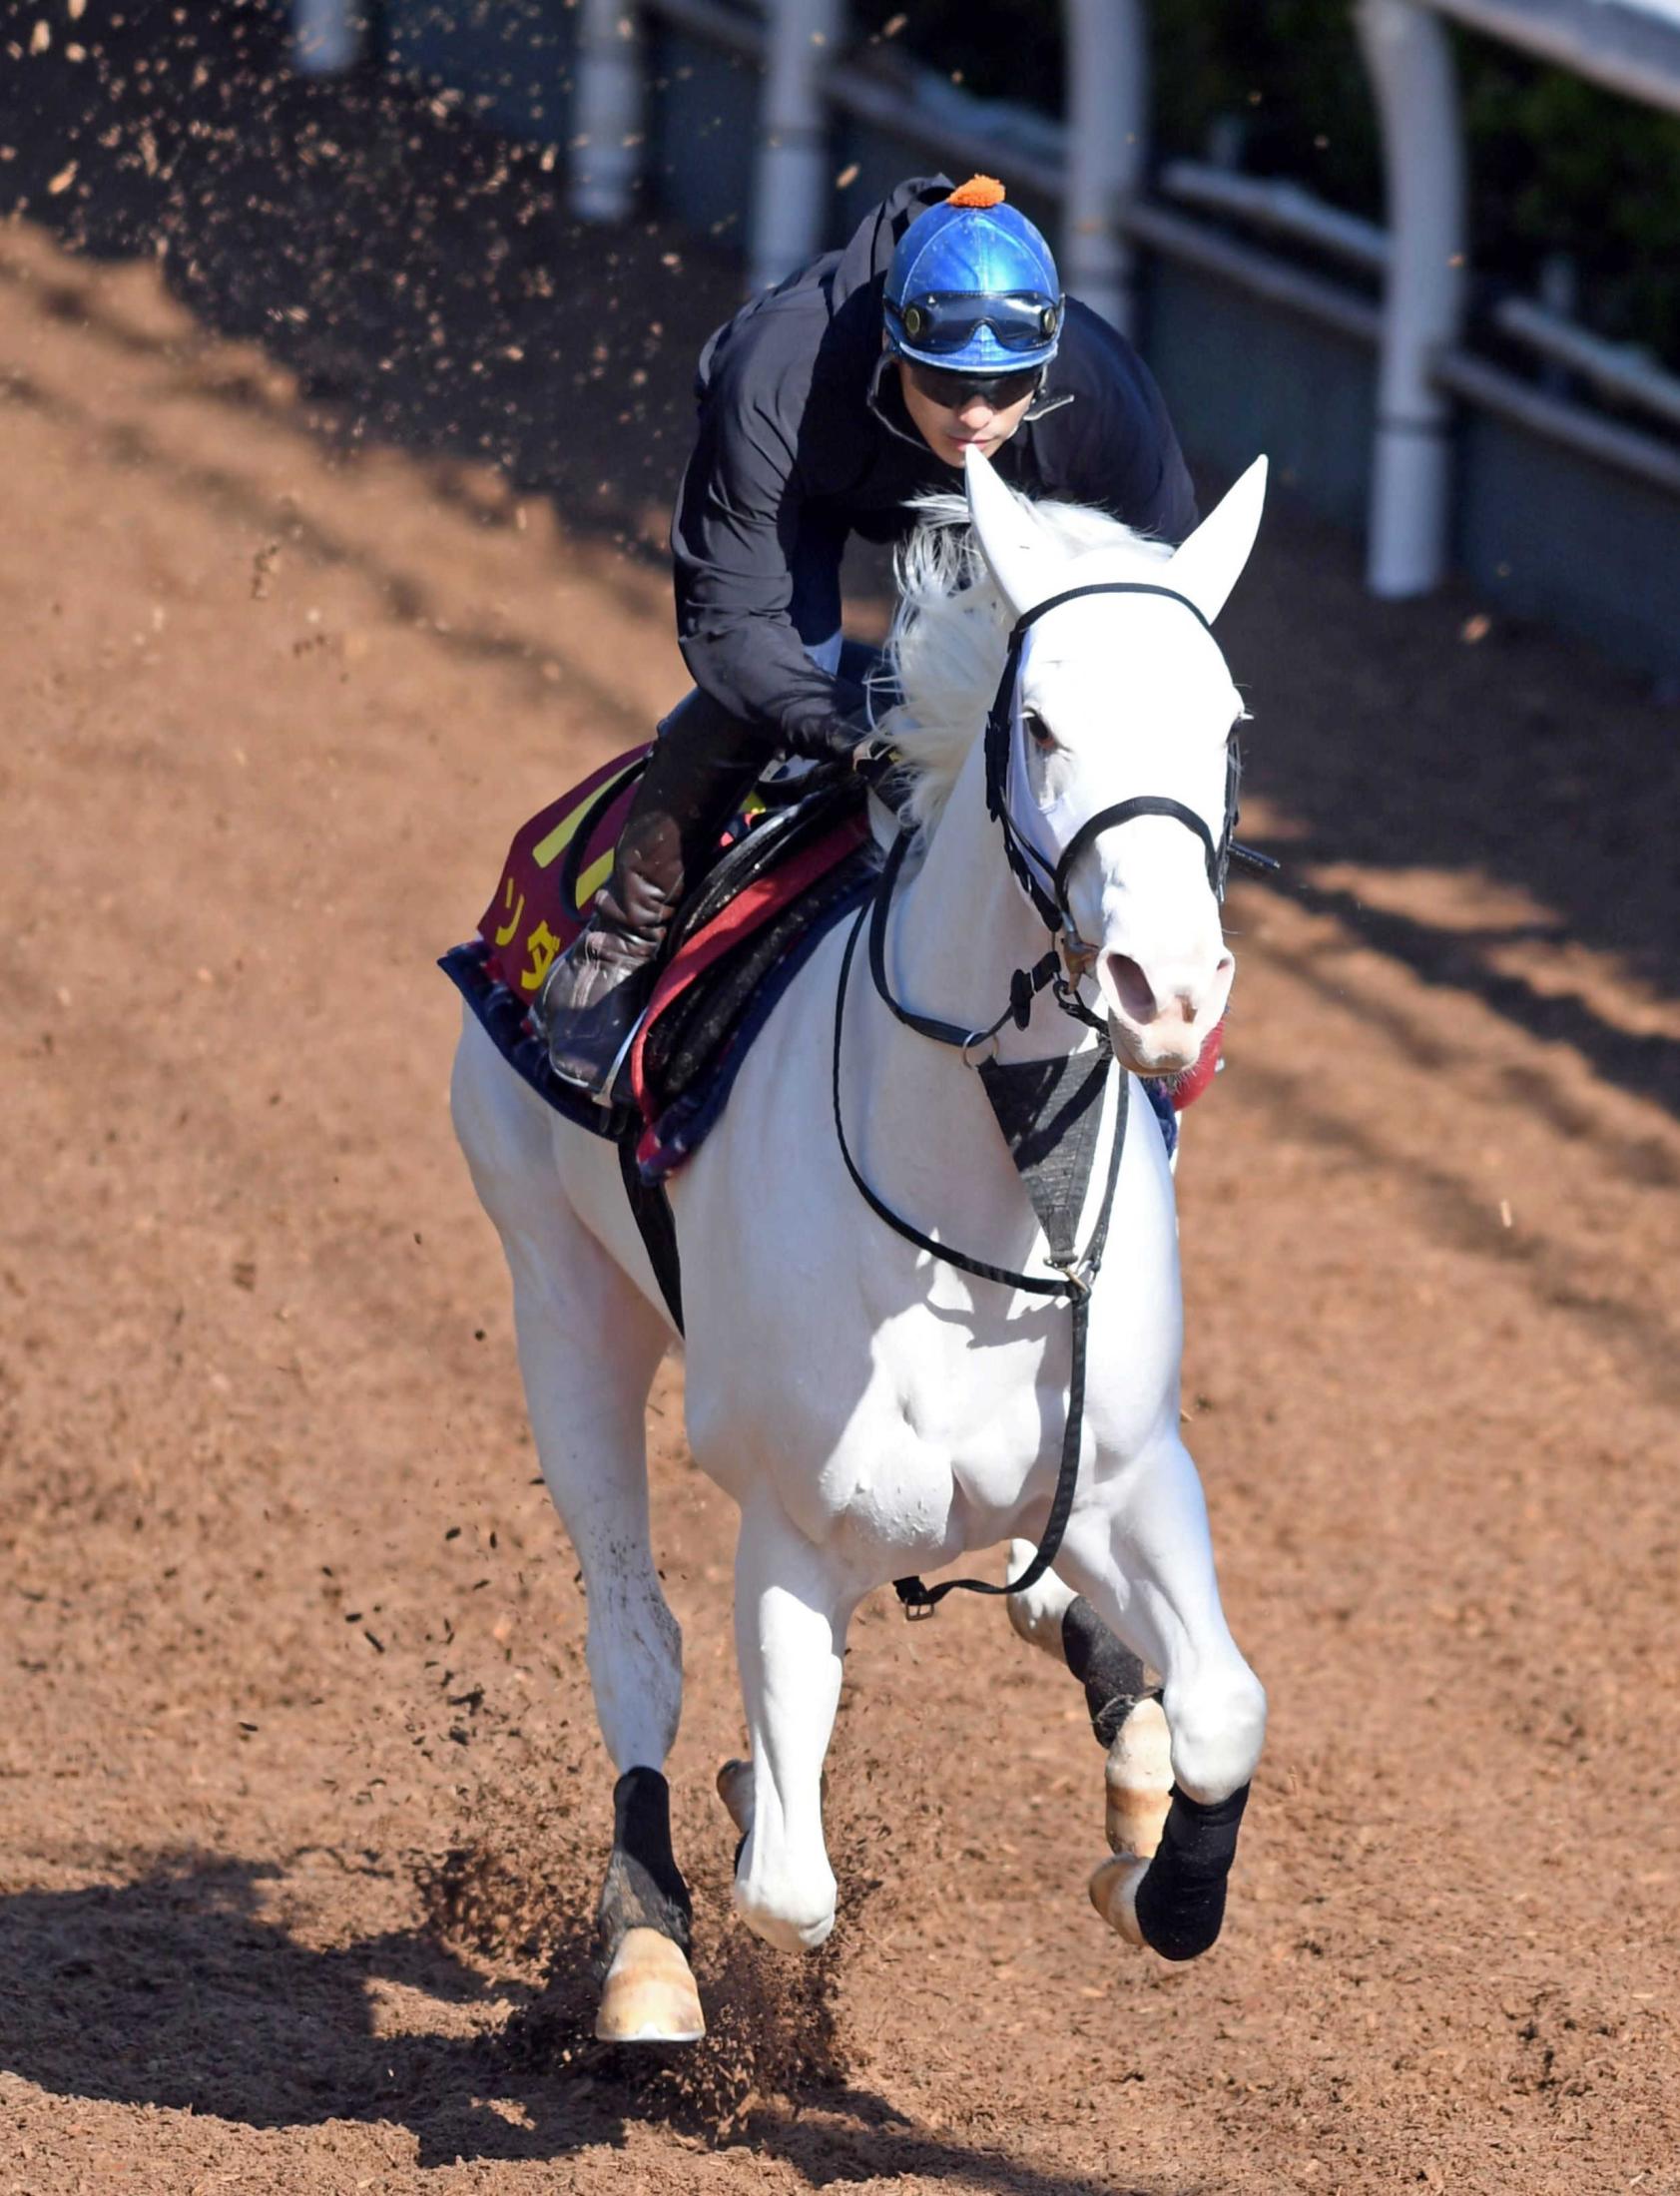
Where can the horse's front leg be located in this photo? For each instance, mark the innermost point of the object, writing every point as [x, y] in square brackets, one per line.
[792, 1608]
[1144, 1561]
[588, 1347]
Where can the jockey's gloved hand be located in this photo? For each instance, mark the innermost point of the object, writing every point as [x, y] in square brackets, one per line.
[830, 738]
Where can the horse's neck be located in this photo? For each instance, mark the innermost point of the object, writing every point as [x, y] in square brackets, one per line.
[964, 927]
[919, 1118]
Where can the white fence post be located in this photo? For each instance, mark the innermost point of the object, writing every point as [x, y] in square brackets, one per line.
[328, 36]
[1107, 103]
[1410, 57]
[606, 124]
[790, 184]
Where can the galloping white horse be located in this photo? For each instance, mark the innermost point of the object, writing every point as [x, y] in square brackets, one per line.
[872, 1410]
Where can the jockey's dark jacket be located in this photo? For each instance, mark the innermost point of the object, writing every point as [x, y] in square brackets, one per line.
[803, 438]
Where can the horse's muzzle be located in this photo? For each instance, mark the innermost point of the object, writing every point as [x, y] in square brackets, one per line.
[1159, 1018]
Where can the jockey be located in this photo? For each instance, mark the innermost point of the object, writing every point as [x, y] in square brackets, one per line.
[826, 406]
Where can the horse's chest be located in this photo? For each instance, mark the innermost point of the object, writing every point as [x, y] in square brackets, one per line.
[946, 1428]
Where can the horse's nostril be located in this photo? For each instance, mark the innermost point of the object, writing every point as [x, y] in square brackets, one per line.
[1132, 988]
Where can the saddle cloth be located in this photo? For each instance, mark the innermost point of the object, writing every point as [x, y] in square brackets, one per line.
[782, 879]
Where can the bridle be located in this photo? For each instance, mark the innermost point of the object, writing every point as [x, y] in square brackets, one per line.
[1069, 959]
[1047, 886]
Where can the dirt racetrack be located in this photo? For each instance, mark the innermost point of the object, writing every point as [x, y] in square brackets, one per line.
[302, 1808]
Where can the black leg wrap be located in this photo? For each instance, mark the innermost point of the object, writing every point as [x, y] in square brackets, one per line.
[644, 1889]
[1181, 1901]
[1111, 1674]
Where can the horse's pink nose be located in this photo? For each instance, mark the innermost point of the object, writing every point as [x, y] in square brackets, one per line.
[1133, 989]
[1149, 997]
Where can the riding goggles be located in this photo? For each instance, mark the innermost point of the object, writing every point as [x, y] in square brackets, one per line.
[940, 324]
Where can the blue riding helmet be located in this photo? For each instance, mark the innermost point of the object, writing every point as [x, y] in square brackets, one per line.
[972, 287]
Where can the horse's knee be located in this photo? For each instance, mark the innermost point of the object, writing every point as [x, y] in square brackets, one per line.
[1217, 1728]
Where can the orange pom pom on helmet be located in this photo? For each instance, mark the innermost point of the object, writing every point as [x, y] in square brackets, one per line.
[978, 190]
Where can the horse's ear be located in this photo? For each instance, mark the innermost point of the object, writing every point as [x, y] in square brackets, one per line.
[1019, 551]
[1211, 562]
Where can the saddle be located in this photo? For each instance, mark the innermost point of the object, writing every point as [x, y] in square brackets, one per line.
[785, 873]
[782, 875]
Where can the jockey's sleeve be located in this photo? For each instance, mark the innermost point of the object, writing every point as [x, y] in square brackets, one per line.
[734, 536]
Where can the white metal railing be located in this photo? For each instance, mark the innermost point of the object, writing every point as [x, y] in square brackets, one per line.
[885, 107]
[1620, 45]
[1284, 208]
[1623, 372]
[1409, 60]
[1093, 169]
[1262, 274]
[791, 178]
[714, 24]
[1572, 427]
[1419, 258]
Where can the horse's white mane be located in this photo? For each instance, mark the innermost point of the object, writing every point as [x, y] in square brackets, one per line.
[950, 634]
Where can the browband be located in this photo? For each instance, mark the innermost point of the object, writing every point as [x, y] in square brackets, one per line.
[1101, 586]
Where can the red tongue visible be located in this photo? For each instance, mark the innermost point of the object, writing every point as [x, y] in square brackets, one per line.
[1196, 1078]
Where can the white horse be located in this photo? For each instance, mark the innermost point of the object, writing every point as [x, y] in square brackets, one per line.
[872, 1410]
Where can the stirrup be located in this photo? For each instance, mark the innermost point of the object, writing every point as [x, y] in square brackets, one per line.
[609, 1086]
[572, 1059]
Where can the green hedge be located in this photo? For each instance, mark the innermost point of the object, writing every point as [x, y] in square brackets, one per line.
[1556, 165]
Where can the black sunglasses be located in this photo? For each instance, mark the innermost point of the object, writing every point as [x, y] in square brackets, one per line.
[950, 389]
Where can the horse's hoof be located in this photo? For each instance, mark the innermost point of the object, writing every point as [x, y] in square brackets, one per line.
[1139, 1778]
[649, 1995]
[1114, 1893]
[735, 1789]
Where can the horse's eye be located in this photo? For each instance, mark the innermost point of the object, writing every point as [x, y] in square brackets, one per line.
[1038, 731]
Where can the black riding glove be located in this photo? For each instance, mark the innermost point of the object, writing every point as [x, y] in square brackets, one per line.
[830, 738]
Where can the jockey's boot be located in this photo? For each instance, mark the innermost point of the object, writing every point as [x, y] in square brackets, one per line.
[594, 995]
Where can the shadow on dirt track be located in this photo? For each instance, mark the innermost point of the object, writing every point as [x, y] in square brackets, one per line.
[176, 1990]
[422, 278]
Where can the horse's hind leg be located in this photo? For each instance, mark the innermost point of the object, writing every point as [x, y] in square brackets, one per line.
[1126, 1715]
[589, 1345]
[1146, 1565]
